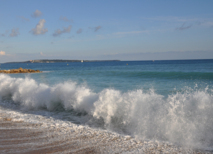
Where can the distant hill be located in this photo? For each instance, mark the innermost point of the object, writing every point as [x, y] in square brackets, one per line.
[60, 61]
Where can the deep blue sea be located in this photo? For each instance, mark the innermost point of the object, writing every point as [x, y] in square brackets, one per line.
[168, 100]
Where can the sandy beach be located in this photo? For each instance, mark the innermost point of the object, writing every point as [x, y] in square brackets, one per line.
[23, 137]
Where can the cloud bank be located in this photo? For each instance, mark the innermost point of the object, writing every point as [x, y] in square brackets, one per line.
[36, 14]
[170, 55]
[64, 30]
[39, 29]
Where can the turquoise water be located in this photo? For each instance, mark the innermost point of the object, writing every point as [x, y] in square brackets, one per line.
[163, 76]
[158, 100]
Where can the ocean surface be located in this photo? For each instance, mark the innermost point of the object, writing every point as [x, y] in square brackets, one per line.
[164, 101]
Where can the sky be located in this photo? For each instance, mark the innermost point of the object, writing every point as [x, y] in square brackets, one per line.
[106, 29]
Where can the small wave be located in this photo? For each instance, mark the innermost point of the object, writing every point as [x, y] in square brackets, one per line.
[163, 75]
[184, 118]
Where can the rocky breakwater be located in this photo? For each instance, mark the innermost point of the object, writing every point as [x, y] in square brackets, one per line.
[20, 70]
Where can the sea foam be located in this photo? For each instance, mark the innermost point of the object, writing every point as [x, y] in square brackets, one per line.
[183, 118]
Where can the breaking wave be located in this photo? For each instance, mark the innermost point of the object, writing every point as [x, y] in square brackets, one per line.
[184, 118]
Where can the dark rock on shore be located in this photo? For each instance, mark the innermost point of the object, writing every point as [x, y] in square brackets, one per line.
[20, 70]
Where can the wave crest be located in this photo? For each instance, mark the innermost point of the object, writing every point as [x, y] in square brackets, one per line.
[184, 117]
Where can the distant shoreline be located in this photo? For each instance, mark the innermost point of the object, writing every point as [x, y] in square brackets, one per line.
[60, 61]
[68, 61]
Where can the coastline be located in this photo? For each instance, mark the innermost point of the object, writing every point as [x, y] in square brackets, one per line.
[60, 61]
[24, 137]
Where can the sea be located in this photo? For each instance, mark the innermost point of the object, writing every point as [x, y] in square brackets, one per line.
[168, 101]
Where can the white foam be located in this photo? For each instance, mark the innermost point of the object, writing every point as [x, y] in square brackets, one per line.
[184, 118]
[65, 133]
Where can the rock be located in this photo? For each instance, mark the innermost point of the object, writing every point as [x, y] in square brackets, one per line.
[7, 119]
[20, 70]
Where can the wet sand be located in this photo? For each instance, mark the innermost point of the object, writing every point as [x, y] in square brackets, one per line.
[24, 138]
[21, 137]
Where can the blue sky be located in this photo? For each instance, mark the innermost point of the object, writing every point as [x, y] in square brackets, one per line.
[98, 29]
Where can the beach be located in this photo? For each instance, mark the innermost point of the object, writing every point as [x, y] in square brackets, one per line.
[23, 137]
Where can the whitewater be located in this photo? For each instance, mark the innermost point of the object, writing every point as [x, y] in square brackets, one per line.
[143, 104]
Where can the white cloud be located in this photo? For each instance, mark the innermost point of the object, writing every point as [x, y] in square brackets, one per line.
[14, 32]
[207, 23]
[5, 33]
[65, 30]
[97, 28]
[2, 53]
[172, 19]
[23, 18]
[2, 35]
[36, 14]
[39, 29]
[79, 31]
[65, 19]
[131, 32]
[184, 27]
[185, 22]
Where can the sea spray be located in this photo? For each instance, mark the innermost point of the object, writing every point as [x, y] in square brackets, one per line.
[184, 117]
